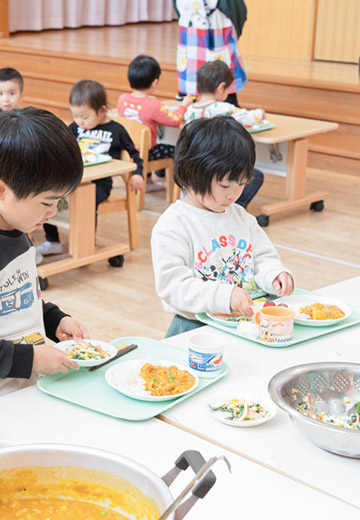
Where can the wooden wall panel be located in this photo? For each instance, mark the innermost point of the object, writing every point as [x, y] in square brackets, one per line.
[338, 31]
[279, 28]
[4, 18]
[302, 101]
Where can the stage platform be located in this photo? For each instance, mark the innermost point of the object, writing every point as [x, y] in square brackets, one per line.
[52, 61]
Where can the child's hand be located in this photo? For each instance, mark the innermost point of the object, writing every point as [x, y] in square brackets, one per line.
[50, 360]
[283, 284]
[263, 114]
[69, 328]
[137, 182]
[240, 302]
[187, 101]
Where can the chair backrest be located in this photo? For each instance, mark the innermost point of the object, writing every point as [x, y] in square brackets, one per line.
[140, 135]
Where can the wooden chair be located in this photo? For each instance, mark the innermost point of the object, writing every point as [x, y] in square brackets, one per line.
[141, 136]
[115, 203]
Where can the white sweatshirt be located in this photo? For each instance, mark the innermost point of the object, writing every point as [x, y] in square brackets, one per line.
[220, 108]
[198, 257]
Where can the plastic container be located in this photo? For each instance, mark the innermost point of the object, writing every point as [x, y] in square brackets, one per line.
[206, 354]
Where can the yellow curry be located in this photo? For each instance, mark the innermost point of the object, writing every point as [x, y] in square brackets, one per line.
[160, 381]
[55, 509]
[63, 493]
[319, 311]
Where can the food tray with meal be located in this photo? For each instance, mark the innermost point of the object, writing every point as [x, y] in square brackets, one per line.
[90, 159]
[114, 389]
[260, 127]
[314, 316]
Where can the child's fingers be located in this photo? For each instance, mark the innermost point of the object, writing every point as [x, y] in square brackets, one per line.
[246, 306]
[277, 286]
[67, 364]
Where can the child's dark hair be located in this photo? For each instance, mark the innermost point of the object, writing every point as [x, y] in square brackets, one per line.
[88, 92]
[211, 74]
[38, 153]
[9, 74]
[213, 147]
[142, 71]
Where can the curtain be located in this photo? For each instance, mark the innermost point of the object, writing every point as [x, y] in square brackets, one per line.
[37, 15]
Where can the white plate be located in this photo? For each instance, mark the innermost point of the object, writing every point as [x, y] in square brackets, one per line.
[89, 158]
[125, 377]
[217, 400]
[95, 158]
[229, 323]
[110, 349]
[295, 301]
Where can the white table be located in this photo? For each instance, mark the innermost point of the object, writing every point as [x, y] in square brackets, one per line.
[29, 416]
[278, 444]
[276, 471]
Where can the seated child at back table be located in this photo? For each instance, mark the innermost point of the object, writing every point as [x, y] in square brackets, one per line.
[40, 162]
[213, 81]
[143, 75]
[96, 133]
[208, 253]
[11, 89]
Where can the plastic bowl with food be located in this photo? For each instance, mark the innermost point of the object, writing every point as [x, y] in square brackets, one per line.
[152, 380]
[87, 353]
[241, 409]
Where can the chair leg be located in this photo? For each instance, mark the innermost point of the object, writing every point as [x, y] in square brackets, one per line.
[141, 197]
[176, 193]
[132, 217]
[169, 175]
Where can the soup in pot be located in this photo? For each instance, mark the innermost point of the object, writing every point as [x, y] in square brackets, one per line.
[71, 493]
[55, 509]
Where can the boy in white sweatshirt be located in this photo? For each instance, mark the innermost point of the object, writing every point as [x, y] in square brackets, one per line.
[208, 253]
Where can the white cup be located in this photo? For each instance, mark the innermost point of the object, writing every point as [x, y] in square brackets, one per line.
[206, 353]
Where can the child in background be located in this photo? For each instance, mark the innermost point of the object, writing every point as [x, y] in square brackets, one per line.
[208, 253]
[40, 162]
[213, 81]
[143, 75]
[96, 133]
[11, 89]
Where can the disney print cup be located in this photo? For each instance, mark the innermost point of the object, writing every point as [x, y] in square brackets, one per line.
[276, 324]
[206, 353]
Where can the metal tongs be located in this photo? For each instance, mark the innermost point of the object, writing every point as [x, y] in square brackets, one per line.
[199, 490]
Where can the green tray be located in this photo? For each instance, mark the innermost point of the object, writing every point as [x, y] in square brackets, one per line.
[90, 390]
[301, 333]
[261, 128]
[100, 158]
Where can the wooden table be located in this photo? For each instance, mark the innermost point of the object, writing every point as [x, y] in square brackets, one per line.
[283, 151]
[82, 248]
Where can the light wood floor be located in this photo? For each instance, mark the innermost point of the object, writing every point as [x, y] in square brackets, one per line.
[320, 248]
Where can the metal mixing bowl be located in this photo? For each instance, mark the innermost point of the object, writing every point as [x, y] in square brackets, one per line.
[329, 384]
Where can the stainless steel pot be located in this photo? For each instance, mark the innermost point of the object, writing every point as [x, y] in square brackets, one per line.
[84, 463]
[335, 388]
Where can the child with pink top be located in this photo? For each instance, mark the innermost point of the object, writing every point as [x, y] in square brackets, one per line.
[140, 105]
